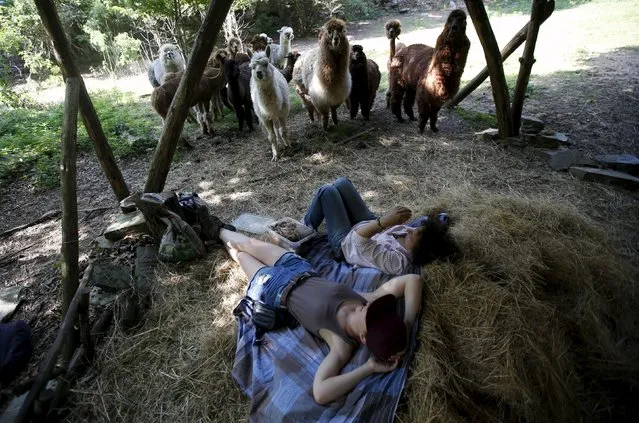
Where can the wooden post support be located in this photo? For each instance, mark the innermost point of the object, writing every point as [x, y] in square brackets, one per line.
[51, 21]
[47, 366]
[174, 122]
[509, 49]
[527, 61]
[477, 13]
[68, 192]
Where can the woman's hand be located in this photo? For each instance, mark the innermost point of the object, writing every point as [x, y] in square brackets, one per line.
[395, 216]
[377, 366]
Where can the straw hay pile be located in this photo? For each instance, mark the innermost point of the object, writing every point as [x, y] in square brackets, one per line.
[534, 324]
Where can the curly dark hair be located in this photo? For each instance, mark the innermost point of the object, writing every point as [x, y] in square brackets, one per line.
[435, 243]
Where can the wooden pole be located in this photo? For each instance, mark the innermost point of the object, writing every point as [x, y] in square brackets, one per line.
[47, 367]
[68, 192]
[527, 61]
[509, 49]
[174, 122]
[477, 13]
[51, 21]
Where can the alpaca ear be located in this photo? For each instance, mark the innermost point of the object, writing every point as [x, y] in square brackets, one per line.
[268, 51]
[249, 53]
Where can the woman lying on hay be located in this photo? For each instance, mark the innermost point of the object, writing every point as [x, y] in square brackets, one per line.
[386, 242]
[343, 318]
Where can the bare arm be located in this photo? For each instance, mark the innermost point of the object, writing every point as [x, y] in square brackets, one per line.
[407, 286]
[395, 216]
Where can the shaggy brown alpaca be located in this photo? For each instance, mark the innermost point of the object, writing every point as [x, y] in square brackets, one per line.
[393, 29]
[234, 50]
[365, 76]
[441, 81]
[291, 58]
[406, 69]
[321, 76]
[258, 43]
[238, 76]
[209, 84]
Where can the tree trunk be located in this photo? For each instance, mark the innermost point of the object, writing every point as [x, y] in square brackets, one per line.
[68, 191]
[509, 49]
[51, 21]
[478, 14]
[528, 59]
[174, 122]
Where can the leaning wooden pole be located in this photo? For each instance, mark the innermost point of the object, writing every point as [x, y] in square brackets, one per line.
[51, 21]
[174, 122]
[509, 49]
[527, 61]
[68, 191]
[52, 356]
[478, 14]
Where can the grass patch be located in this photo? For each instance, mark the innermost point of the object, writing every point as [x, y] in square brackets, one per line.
[507, 7]
[30, 137]
[477, 119]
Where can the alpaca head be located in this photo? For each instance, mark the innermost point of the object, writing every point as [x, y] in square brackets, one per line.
[393, 29]
[261, 69]
[234, 45]
[455, 27]
[358, 58]
[292, 57]
[218, 58]
[169, 53]
[286, 33]
[259, 42]
[333, 33]
[267, 39]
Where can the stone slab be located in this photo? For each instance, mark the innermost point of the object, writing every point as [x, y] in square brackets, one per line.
[547, 139]
[126, 224]
[252, 223]
[9, 301]
[532, 125]
[607, 176]
[110, 276]
[622, 162]
[489, 134]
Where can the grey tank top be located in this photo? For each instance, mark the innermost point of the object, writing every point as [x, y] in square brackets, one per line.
[314, 303]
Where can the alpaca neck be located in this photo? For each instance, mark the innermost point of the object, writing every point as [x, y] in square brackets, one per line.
[392, 48]
[285, 45]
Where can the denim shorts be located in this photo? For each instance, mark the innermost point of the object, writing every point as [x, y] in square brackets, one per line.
[269, 282]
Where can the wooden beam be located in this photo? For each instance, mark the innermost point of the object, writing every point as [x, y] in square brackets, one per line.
[478, 14]
[509, 49]
[62, 49]
[527, 60]
[47, 366]
[174, 122]
[68, 192]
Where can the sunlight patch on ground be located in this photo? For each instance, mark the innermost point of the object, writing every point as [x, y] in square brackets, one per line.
[319, 158]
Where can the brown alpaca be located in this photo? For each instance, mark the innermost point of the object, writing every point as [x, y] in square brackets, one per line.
[321, 77]
[441, 81]
[291, 58]
[406, 69]
[209, 84]
[393, 29]
[365, 76]
[258, 43]
[234, 50]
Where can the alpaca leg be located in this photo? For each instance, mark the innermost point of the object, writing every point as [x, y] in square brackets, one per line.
[272, 137]
[334, 114]
[354, 105]
[239, 112]
[201, 119]
[366, 108]
[325, 120]
[433, 118]
[283, 132]
[423, 108]
[409, 102]
[207, 117]
[249, 115]
[397, 95]
[388, 99]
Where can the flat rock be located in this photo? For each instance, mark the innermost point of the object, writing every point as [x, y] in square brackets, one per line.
[126, 224]
[110, 276]
[607, 176]
[104, 243]
[563, 159]
[547, 139]
[622, 162]
[531, 125]
[489, 134]
[9, 301]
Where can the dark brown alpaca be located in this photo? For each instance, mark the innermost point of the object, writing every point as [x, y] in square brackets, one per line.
[406, 69]
[238, 76]
[291, 58]
[441, 81]
[365, 76]
[393, 29]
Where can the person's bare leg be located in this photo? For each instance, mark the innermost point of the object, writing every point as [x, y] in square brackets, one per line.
[264, 252]
[249, 264]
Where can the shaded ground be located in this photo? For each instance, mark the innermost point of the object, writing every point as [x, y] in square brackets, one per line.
[595, 100]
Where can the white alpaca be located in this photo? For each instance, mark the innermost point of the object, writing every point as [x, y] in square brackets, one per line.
[170, 60]
[278, 52]
[269, 92]
[321, 76]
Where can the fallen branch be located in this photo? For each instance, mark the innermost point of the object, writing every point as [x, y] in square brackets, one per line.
[352, 137]
[51, 214]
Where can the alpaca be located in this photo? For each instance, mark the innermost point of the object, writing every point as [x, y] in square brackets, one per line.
[321, 76]
[260, 41]
[291, 58]
[366, 77]
[406, 69]
[238, 76]
[234, 49]
[393, 29]
[170, 60]
[278, 52]
[441, 81]
[269, 93]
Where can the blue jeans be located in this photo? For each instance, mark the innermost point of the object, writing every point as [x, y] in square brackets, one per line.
[269, 282]
[342, 207]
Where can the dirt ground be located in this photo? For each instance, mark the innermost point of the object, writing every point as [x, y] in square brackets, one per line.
[596, 105]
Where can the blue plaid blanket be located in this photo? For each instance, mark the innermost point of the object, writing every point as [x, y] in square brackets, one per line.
[277, 374]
